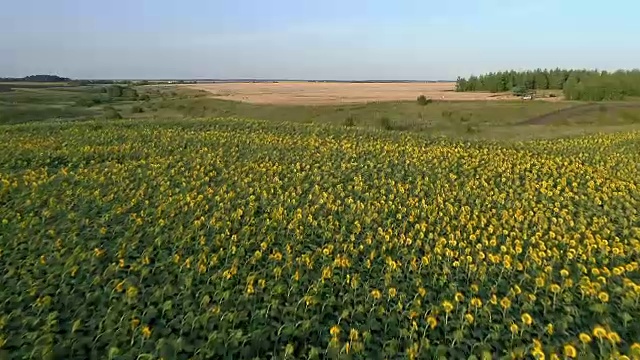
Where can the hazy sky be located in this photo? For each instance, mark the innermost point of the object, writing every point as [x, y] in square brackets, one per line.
[320, 39]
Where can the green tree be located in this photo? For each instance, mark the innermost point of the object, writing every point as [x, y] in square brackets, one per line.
[423, 100]
[111, 113]
[114, 91]
[129, 93]
[588, 85]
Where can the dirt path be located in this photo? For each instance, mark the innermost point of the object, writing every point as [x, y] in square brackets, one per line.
[582, 109]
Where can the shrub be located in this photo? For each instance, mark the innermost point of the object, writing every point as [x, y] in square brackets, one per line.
[350, 121]
[89, 102]
[111, 113]
[519, 91]
[84, 103]
[129, 93]
[114, 91]
[423, 100]
[385, 123]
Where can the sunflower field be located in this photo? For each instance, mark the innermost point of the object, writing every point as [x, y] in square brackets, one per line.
[241, 239]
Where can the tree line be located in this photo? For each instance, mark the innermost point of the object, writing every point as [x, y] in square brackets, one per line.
[37, 78]
[590, 85]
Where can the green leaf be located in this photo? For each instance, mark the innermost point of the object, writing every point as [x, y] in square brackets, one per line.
[167, 306]
[598, 308]
[76, 326]
[113, 352]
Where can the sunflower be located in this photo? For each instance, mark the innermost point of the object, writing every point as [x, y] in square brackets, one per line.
[613, 337]
[447, 306]
[392, 292]
[476, 302]
[146, 331]
[603, 296]
[353, 335]
[549, 329]
[334, 331]
[538, 354]
[469, 318]
[432, 322]
[570, 351]
[505, 303]
[584, 338]
[422, 292]
[376, 294]
[599, 332]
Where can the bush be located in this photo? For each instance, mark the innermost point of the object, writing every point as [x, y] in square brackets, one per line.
[111, 113]
[465, 118]
[84, 103]
[350, 121]
[423, 100]
[89, 102]
[114, 91]
[130, 93]
[385, 123]
[519, 91]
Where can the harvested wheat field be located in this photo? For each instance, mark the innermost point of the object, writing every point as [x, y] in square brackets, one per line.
[301, 93]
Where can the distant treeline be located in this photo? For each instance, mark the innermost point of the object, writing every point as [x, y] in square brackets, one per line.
[38, 78]
[55, 78]
[591, 85]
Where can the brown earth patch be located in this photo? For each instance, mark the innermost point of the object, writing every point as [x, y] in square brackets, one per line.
[310, 93]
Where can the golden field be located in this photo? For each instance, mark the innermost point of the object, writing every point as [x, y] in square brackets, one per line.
[323, 93]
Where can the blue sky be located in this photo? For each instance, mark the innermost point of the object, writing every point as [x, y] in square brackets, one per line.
[326, 39]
